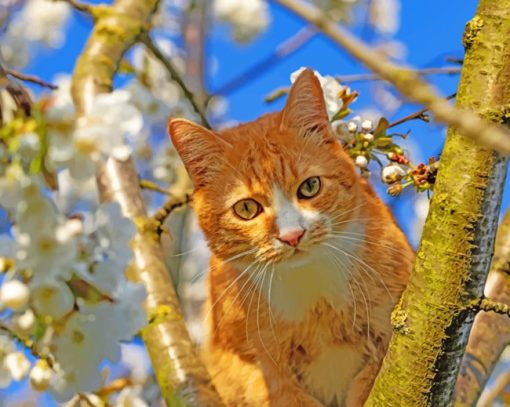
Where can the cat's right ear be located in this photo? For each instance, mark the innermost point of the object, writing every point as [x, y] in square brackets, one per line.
[198, 148]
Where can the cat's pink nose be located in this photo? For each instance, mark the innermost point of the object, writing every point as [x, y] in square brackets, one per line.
[292, 236]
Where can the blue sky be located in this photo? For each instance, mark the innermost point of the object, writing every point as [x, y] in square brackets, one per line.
[430, 30]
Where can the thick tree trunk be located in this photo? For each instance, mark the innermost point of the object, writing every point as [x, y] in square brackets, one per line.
[182, 377]
[434, 317]
[491, 332]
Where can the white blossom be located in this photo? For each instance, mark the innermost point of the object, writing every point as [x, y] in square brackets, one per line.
[248, 18]
[384, 16]
[392, 173]
[361, 161]
[52, 298]
[331, 89]
[130, 397]
[14, 294]
[6, 348]
[40, 376]
[17, 364]
[109, 126]
[25, 322]
[39, 22]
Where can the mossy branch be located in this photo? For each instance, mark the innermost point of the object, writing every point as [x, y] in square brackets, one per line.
[408, 82]
[182, 377]
[491, 332]
[454, 256]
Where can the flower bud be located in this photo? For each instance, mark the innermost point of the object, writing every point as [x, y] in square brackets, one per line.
[366, 125]
[368, 137]
[392, 173]
[361, 161]
[40, 376]
[352, 127]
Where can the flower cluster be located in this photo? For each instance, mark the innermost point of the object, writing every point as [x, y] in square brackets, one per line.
[64, 292]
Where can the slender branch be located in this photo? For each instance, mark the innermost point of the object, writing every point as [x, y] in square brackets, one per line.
[364, 77]
[407, 81]
[489, 398]
[182, 377]
[152, 186]
[282, 50]
[83, 7]
[420, 114]
[30, 78]
[168, 207]
[176, 77]
[488, 305]
[282, 91]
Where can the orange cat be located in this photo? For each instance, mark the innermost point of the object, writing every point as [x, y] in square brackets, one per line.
[307, 261]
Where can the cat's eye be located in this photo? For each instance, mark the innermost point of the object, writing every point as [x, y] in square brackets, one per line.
[247, 209]
[309, 188]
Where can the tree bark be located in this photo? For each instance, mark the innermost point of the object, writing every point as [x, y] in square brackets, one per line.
[434, 316]
[491, 332]
[182, 377]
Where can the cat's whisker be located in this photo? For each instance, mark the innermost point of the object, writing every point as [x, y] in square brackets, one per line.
[257, 277]
[344, 269]
[184, 253]
[367, 268]
[258, 316]
[343, 213]
[355, 281]
[239, 292]
[363, 239]
[209, 269]
[245, 271]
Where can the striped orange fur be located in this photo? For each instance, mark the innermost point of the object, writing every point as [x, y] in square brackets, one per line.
[305, 321]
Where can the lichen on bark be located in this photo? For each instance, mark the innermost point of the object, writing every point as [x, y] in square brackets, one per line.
[453, 259]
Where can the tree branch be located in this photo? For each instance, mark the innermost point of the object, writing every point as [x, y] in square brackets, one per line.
[283, 50]
[30, 78]
[416, 115]
[364, 77]
[182, 377]
[407, 81]
[491, 332]
[176, 77]
[457, 243]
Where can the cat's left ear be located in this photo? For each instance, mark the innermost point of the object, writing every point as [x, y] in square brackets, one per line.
[305, 109]
[199, 149]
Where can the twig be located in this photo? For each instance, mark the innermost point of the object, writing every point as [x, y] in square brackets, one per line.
[168, 207]
[283, 50]
[277, 93]
[489, 305]
[30, 78]
[174, 74]
[489, 398]
[447, 70]
[152, 186]
[78, 5]
[407, 81]
[416, 115]
[114, 387]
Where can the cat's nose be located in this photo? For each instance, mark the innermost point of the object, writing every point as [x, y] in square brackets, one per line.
[292, 236]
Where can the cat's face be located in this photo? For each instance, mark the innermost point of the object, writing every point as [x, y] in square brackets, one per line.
[274, 189]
